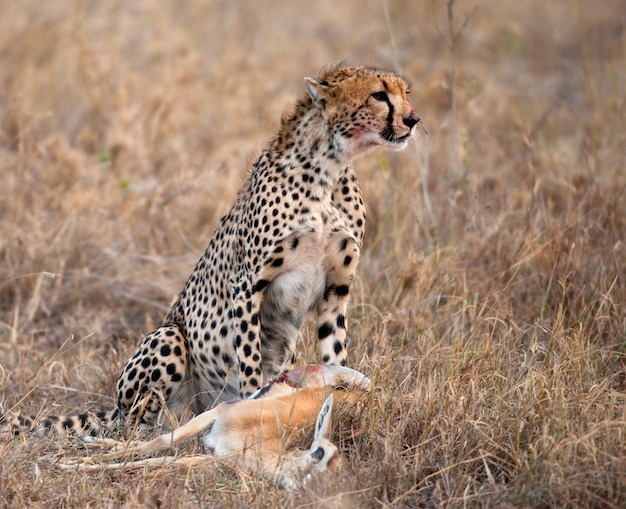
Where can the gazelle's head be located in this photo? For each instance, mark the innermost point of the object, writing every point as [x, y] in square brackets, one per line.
[323, 456]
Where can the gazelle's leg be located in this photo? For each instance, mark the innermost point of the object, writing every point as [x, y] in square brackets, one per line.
[193, 427]
[186, 461]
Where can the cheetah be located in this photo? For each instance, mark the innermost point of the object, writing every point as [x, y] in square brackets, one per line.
[288, 247]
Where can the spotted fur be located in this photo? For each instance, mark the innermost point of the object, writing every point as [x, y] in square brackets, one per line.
[289, 246]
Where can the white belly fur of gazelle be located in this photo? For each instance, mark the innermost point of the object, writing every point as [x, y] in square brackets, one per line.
[255, 434]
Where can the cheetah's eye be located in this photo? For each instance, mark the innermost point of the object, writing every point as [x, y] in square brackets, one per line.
[380, 96]
[408, 91]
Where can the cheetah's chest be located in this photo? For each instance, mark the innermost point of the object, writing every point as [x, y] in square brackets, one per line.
[289, 298]
[299, 286]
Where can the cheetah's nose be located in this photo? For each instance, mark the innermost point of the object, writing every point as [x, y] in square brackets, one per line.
[411, 120]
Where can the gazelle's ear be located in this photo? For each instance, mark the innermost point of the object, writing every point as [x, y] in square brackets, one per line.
[323, 425]
[317, 92]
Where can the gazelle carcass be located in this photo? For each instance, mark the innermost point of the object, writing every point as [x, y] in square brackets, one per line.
[256, 434]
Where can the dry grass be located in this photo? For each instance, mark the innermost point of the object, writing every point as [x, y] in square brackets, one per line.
[489, 308]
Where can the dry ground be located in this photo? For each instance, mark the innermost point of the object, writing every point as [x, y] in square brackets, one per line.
[489, 307]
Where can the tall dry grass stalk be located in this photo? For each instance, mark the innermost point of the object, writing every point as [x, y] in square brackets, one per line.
[489, 309]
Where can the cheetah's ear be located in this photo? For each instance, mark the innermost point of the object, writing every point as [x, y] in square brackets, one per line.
[316, 90]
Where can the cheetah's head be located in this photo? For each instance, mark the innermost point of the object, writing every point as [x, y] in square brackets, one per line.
[363, 107]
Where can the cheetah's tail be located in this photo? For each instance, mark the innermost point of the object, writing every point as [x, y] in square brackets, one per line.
[80, 424]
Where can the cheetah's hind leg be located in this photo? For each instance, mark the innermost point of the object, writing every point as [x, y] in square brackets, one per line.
[153, 377]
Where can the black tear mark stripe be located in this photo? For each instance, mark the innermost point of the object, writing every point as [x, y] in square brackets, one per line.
[390, 114]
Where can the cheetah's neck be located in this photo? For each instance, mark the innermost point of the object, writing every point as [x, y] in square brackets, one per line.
[308, 153]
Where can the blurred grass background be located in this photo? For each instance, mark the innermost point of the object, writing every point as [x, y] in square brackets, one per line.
[489, 305]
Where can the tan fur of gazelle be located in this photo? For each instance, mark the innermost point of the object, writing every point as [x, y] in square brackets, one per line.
[257, 434]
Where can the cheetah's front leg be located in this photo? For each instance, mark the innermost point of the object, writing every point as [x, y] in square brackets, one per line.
[247, 330]
[341, 259]
[276, 326]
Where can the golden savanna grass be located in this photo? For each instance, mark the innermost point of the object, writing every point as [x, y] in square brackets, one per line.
[489, 304]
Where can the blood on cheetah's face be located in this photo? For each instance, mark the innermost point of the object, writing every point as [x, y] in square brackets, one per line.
[364, 107]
